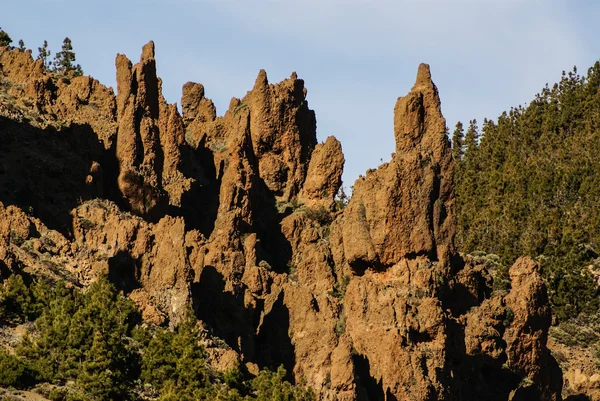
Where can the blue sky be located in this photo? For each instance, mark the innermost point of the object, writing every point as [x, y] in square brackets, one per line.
[356, 57]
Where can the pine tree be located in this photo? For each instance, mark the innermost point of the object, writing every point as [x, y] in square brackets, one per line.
[44, 54]
[64, 60]
[5, 40]
[458, 142]
[472, 137]
[22, 45]
[530, 187]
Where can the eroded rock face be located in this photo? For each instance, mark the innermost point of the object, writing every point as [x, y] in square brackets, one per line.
[282, 128]
[421, 321]
[149, 139]
[47, 100]
[234, 216]
[405, 208]
[324, 176]
[527, 334]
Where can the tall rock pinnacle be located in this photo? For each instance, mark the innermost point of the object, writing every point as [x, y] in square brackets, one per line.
[406, 206]
[149, 138]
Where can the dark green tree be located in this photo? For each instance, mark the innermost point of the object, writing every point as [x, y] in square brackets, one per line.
[64, 60]
[471, 142]
[458, 142]
[5, 39]
[22, 45]
[19, 302]
[44, 55]
[84, 337]
[530, 186]
[174, 362]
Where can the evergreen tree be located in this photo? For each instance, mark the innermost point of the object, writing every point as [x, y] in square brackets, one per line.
[472, 137]
[5, 40]
[22, 45]
[175, 361]
[64, 60]
[458, 142]
[87, 345]
[270, 386]
[44, 55]
[530, 187]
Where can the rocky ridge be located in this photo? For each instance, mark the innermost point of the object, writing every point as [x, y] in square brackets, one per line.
[236, 217]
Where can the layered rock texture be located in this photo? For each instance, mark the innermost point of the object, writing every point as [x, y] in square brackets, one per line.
[237, 217]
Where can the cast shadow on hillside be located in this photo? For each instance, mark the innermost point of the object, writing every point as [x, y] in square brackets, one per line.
[478, 376]
[224, 311]
[578, 397]
[124, 272]
[44, 171]
[273, 344]
[199, 205]
[369, 389]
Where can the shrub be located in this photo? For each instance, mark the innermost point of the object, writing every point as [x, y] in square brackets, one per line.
[13, 371]
[319, 214]
[339, 288]
[5, 40]
[269, 386]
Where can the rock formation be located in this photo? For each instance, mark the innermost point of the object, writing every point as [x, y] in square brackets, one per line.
[149, 138]
[235, 217]
[405, 208]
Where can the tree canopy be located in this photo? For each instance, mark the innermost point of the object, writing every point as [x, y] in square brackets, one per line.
[530, 186]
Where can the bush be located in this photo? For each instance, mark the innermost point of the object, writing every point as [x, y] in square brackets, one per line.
[319, 214]
[270, 386]
[5, 40]
[13, 371]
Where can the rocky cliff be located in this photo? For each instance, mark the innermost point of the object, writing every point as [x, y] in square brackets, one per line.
[236, 217]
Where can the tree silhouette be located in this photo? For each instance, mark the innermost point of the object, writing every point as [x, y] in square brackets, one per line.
[44, 54]
[64, 61]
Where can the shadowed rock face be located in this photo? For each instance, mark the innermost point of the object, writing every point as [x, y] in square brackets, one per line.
[235, 216]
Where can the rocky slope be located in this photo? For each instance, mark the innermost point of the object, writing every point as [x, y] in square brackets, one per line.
[236, 216]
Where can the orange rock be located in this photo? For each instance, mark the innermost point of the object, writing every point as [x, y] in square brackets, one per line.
[234, 217]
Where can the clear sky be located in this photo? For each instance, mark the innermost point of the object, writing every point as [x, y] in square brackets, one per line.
[356, 57]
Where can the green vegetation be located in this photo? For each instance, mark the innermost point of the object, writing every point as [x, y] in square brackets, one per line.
[90, 346]
[341, 200]
[64, 60]
[44, 54]
[339, 288]
[319, 214]
[5, 40]
[530, 186]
